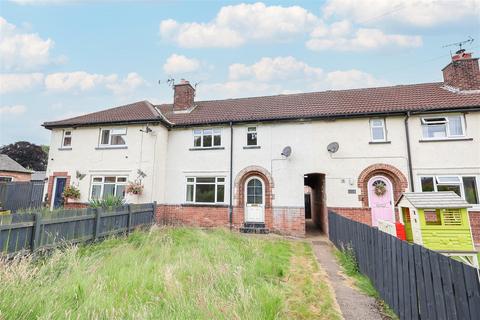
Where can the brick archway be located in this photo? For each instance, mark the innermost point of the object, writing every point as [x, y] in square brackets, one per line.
[397, 178]
[239, 196]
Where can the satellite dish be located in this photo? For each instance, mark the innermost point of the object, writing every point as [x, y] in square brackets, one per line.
[333, 147]
[287, 151]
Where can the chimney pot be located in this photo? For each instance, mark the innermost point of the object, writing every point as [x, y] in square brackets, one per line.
[462, 72]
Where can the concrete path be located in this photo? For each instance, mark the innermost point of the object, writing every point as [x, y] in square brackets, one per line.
[353, 304]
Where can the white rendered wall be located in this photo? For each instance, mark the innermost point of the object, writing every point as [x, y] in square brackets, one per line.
[85, 157]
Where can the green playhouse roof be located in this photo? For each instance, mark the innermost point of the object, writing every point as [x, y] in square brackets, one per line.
[434, 200]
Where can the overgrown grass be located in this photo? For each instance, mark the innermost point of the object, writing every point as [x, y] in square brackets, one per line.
[169, 273]
[346, 258]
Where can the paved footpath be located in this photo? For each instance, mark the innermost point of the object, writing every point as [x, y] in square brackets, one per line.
[353, 304]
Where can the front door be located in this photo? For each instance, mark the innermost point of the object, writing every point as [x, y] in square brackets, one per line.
[59, 187]
[254, 207]
[380, 198]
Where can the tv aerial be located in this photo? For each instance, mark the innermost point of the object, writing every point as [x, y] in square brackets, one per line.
[460, 44]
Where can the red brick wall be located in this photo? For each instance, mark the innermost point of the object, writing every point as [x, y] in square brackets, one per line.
[475, 225]
[463, 74]
[362, 215]
[283, 220]
[192, 215]
[289, 221]
[17, 176]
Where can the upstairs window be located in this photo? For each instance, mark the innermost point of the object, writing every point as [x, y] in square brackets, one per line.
[207, 138]
[443, 127]
[67, 139]
[251, 136]
[108, 186]
[205, 189]
[464, 186]
[377, 129]
[113, 137]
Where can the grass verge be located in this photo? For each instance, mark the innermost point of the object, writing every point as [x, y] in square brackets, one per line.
[349, 265]
[169, 273]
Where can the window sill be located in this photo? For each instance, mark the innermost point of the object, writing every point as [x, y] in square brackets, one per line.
[219, 205]
[251, 147]
[203, 149]
[64, 149]
[113, 147]
[380, 142]
[445, 140]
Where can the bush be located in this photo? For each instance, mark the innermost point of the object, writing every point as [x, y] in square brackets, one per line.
[107, 202]
[71, 192]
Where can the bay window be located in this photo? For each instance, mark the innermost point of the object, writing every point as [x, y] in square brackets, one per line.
[464, 186]
[205, 190]
[443, 127]
[104, 186]
[207, 138]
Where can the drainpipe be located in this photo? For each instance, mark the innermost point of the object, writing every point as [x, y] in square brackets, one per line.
[230, 206]
[409, 152]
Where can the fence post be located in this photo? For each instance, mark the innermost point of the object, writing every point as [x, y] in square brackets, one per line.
[36, 232]
[129, 222]
[154, 212]
[98, 217]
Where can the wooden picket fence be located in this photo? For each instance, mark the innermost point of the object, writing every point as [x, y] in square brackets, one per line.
[30, 232]
[415, 282]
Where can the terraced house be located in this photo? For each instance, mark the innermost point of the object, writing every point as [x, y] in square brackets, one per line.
[272, 162]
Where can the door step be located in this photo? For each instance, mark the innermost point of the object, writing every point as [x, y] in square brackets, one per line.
[254, 227]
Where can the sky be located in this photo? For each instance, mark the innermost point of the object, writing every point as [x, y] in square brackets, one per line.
[60, 58]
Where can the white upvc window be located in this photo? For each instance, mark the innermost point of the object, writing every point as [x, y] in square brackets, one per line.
[67, 139]
[205, 190]
[113, 137]
[252, 136]
[377, 130]
[466, 186]
[207, 138]
[103, 186]
[443, 127]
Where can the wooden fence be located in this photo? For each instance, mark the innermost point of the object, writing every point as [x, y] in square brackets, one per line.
[21, 195]
[415, 282]
[29, 232]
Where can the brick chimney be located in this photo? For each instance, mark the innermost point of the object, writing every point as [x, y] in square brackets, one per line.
[184, 95]
[463, 72]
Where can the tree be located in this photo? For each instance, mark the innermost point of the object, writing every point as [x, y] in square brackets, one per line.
[27, 154]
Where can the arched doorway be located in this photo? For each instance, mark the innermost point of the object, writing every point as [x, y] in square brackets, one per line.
[255, 200]
[380, 199]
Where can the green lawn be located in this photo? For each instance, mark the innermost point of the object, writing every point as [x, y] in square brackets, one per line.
[170, 273]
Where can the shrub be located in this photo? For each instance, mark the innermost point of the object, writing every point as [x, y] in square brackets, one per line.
[71, 192]
[107, 202]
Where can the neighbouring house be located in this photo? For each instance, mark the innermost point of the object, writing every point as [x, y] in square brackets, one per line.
[246, 162]
[38, 176]
[11, 170]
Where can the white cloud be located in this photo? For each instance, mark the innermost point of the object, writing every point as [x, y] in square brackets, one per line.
[127, 85]
[177, 64]
[234, 25]
[279, 68]
[422, 13]
[341, 36]
[283, 75]
[12, 110]
[12, 82]
[84, 81]
[21, 51]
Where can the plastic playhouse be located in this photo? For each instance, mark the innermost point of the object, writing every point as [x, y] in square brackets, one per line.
[438, 221]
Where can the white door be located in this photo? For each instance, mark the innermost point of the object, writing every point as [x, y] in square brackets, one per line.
[254, 204]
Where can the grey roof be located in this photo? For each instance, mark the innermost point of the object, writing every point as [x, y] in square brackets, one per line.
[38, 176]
[8, 164]
[431, 200]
